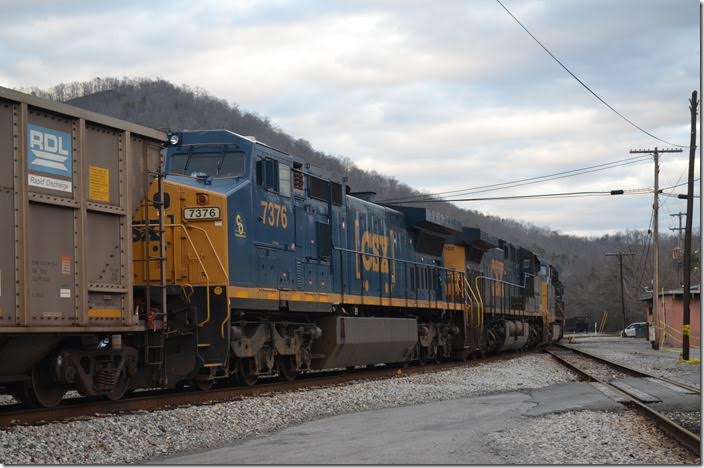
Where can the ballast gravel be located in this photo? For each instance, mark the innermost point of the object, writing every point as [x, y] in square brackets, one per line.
[589, 437]
[637, 353]
[144, 436]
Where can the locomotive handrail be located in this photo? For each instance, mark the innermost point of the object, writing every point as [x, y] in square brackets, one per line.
[224, 272]
[481, 301]
[505, 282]
[468, 286]
[436, 268]
[217, 257]
[205, 272]
[359, 252]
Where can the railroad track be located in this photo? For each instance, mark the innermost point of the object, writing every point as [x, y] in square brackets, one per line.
[150, 400]
[604, 372]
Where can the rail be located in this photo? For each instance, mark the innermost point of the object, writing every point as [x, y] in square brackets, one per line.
[12, 415]
[682, 435]
[627, 369]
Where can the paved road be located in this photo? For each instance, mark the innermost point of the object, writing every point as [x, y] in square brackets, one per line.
[447, 432]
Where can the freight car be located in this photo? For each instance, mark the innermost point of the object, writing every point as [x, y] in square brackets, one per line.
[244, 261]
[69, 183]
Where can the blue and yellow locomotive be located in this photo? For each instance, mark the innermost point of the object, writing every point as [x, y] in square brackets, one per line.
[254, 263]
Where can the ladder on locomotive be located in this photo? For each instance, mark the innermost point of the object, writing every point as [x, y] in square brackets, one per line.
[155, 338]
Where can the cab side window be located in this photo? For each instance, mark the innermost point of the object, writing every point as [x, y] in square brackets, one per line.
[274, 175]
[284, 179]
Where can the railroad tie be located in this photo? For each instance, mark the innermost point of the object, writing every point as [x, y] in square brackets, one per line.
[635, 393]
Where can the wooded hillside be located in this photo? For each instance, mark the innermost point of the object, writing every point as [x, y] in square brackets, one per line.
[591, 280]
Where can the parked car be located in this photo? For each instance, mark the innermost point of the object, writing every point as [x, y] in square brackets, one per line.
[636, 330]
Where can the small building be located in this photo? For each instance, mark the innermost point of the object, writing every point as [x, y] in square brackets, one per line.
[672, 300]
[578, 324]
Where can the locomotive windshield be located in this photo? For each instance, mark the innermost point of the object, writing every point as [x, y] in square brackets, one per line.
[218, 164]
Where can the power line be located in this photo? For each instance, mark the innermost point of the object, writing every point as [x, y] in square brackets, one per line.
[526, 181]
[583, 84]
[678, 185]
[604, 193]
[547, 179]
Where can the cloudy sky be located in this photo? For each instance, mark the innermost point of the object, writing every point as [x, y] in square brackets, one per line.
[442, 95]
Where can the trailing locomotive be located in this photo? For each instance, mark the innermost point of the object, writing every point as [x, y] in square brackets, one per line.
[244, 261]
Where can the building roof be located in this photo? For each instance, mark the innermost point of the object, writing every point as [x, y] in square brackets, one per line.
[693, 291]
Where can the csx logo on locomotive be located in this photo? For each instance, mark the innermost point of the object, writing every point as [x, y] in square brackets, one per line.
[378, 246]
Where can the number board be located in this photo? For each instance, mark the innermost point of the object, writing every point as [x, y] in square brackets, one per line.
[203, 212]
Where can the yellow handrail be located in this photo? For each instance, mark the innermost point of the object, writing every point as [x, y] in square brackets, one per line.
[481, 302]
[224, 272]
[215, 252]
[469, 287]
[205, 272]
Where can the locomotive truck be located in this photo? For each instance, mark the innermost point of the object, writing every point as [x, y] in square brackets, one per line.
[139, 259]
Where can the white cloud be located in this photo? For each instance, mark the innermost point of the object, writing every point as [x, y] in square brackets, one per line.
[441, 96]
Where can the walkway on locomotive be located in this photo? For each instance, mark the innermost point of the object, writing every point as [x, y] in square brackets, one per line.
[293, 236]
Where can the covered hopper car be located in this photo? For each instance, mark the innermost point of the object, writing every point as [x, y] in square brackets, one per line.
[141, 259]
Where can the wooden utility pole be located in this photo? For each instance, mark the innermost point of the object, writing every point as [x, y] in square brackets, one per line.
[620, 264]
[693, 104]
[656, 243]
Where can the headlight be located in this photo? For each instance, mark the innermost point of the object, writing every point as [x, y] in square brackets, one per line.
[174, 139]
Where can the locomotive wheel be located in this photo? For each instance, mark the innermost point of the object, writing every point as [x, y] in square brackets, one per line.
[202, 385]
[42, 390]
[120, 389]
[247, 374]
[287, 368]
[234, 371]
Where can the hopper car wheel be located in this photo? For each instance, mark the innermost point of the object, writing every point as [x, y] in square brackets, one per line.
[247, 372]
[120, 389]
[42, 390]
[287, 368]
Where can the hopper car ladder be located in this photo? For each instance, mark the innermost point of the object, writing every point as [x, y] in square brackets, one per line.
[155, 338]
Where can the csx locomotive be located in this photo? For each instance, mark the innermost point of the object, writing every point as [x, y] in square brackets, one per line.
[141, 259]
